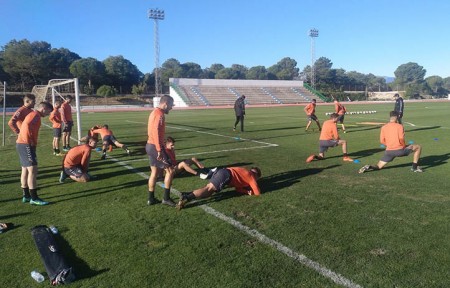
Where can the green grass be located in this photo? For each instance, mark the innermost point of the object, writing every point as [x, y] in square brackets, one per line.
[388, 228]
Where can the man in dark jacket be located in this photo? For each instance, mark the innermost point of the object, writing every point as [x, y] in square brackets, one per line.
[239, 109]
[399, 107]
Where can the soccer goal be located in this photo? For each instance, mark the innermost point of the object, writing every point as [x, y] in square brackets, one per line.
[3, 91]
[57, 89]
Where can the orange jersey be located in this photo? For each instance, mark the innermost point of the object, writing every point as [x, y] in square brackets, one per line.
[16, 120]
[78, 155]
[55, 118]
[66, 112]
[310, 109]
[339, 108]
[171, 154]
[393, 136]
[156, 128]
[29, 130]
[103, 132]
[329, 131]
[244, 181]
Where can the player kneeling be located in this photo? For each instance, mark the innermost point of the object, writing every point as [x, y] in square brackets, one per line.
[76, 162]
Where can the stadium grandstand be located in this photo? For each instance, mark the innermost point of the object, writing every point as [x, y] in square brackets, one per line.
[221, 92]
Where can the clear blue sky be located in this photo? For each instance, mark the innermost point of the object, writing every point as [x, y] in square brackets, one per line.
[373, 36]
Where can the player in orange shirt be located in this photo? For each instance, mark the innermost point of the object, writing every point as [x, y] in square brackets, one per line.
[184, 165]
[329, 137]
[245, 181]
[310, 111]
[66, 117]
[340, 110]
[108, 139]
[159, 160]
[29, 100]
[55, 118]
[26, 148]
[76, 162]
[392, 135]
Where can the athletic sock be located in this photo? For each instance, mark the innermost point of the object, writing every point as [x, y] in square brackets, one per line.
[345, 155]
[33, 193]
[124, 147]
[166, 193]
[374, 167]
[57, 151]
[26, 192]
[151, 196]
[190, 196]
[414, 166]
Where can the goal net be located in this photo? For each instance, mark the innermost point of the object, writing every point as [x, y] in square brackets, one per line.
[58, 89]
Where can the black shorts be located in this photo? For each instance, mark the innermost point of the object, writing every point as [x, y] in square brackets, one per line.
[340, 119]
[220, 178]
[389, 155]
[150, 149]
[311, 117]
[27, 155]
[325, 144]
[67, 127]
[109, 140]
[57, 132]
[74, 171]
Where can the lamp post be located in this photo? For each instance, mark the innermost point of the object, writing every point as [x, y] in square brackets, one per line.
[313, 33]
[156, 15]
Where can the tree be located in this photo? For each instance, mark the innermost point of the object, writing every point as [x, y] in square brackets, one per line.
[122, 72]
[89, 71]
[26, 62]
[285, 69]
[60, 61]
[106, 91]
[410, 77]
[257, 73]
[435, 83]
[191, 70]
[225, 73]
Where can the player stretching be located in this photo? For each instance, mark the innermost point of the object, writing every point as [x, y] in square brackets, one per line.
[240, 178]
[393, 137]
[340, 110]
[108, 139]
[16, 120]
[310, 111]
[329, 137]
[76, 162]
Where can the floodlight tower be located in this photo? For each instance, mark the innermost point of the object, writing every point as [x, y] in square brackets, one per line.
[313, 33]
[156, 15]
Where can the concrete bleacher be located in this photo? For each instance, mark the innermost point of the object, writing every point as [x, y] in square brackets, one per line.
[221, 92]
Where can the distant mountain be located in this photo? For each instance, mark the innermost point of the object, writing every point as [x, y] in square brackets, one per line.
[388, 79]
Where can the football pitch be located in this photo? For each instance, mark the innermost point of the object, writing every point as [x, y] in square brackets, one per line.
[315, 225]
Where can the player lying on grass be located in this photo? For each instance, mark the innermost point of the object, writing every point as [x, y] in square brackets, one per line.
[108, 139]
[76, 162]
[184, 165]
[392, 135]
[329, 137]
[245, 181]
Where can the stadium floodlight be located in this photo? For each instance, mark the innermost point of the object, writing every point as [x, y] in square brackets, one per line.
[313, 33]
[156, 15]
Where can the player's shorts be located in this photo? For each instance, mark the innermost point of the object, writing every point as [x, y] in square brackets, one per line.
[75, 171]
[67, 127]
[27, 155]
[220, 178]
[57, 132]
[389, 155]
[311, 117]
[325, 144]
[109, 140]
[340, 119]
[152, 153]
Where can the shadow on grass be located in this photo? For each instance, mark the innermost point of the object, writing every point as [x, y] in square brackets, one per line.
[81, 268]
[283, 180]
[422, 128]
[428, 162]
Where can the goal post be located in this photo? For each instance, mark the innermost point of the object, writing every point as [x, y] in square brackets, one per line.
[57, 89]
[3, 90]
